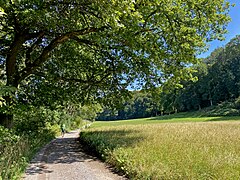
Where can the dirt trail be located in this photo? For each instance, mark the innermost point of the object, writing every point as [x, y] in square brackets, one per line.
[64, 159]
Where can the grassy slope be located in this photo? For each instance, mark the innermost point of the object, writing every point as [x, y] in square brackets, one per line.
[166, 148]
[180, 117]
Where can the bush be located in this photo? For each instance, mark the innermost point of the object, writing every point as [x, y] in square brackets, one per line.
[12, 149]
[237, 103]
[17, 150]
[227, 108]
[32, 119]
[33, 128]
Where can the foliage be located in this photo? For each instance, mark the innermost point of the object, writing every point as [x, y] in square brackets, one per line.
[226, 108]
[33, 128]
[89, 112]
[11, 157]
[37, 119]
[31, 119]
[215, 83]
[66, 51]
[199, 150]
[5, 91]
[17, 150]
[58, 58]
[140, 104]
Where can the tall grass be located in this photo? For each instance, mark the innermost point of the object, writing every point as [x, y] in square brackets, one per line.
[200, 150]
[13, 159]
[17, 151]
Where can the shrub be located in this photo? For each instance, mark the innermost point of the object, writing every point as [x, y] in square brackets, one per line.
[12, 149]
[33, 128]
[17, 150]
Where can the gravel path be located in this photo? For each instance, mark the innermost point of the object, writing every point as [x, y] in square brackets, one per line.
[64, 159]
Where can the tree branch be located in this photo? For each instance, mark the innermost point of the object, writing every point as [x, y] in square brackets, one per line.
[30, 49]
[89, 81]
[52, 45]
[151, 14]
[85, 41]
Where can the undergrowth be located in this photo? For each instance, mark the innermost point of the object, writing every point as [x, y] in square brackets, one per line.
[17, 150]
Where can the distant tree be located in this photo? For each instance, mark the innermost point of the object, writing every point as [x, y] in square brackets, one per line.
[141, 104]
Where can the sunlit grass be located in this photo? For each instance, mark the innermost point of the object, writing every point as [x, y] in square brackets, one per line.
[189, 150]
[180, 117]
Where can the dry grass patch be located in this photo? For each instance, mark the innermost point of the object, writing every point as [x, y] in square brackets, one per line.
[203, 150]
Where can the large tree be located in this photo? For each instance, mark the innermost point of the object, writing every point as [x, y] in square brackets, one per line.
[100, 46]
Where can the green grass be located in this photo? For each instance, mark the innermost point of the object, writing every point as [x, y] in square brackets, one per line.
[170, 147]
[180, 117]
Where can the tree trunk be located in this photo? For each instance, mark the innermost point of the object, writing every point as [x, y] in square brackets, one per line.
[6, 120]
[176, 110]
[211, 102]
[162, 113]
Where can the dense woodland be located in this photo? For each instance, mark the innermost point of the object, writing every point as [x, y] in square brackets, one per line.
[217, 81]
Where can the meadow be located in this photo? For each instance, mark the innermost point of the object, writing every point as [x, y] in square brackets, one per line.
[179, 146]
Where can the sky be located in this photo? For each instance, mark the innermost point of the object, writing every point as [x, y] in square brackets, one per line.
[233, 28]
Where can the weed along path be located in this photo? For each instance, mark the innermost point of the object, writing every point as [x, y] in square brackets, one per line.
[64, 159]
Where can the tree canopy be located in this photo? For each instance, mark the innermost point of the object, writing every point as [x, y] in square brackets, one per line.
[68, 49]
[214, 92]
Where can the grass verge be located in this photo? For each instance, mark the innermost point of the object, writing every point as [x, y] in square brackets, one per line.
[17, 151]
[189, 150]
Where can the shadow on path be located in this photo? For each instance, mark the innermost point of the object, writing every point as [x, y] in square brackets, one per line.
[65, 150]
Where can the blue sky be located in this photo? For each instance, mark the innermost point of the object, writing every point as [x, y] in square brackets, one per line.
[233, 28]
